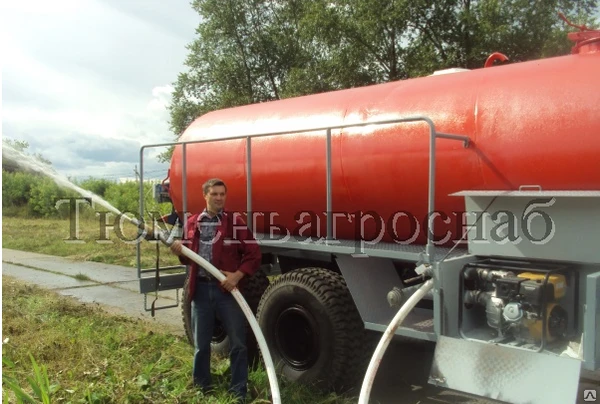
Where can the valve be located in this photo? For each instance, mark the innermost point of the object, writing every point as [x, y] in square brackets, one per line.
[496, 56]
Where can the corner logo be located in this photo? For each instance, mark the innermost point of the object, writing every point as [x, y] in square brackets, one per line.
[589, 395]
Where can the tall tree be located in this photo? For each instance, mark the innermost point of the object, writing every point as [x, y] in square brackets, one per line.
[244, 51]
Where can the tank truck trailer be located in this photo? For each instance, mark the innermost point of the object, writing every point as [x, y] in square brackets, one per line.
[485, 183]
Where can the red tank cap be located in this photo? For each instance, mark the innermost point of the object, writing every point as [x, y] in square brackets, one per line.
[586, 40]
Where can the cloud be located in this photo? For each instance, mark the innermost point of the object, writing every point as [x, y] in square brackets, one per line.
[87, 83]
[87, 155]
[161, 98]
[153, 13]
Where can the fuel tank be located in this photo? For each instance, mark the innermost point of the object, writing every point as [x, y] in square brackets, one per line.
[533, 123]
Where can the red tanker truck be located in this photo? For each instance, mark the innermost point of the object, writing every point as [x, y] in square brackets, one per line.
[486, 181]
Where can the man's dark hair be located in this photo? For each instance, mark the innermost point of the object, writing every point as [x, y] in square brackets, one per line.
[211, 183]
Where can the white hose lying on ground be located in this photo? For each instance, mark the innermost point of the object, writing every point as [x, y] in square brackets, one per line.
[365, 391]
[249, 315]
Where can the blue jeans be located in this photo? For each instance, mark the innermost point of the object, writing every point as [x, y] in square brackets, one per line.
[208, 300]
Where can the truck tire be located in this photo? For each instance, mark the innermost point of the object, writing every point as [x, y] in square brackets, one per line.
[253, 290]
[313, 329]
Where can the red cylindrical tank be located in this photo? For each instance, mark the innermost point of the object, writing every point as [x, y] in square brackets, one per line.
[530, 123]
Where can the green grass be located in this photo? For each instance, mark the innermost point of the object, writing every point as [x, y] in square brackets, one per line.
[82, 277]
[90, 356]
[51, 236]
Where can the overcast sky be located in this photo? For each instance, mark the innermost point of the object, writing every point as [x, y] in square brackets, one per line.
[86, 82]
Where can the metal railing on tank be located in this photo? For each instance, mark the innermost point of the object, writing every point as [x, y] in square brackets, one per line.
[172, 281]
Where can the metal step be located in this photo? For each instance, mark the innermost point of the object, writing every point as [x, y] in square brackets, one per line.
[149, 284]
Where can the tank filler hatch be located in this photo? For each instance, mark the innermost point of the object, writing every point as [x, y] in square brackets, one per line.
[586, 40]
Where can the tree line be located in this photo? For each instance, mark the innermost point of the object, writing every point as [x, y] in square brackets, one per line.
[26, 194]
[30, 194]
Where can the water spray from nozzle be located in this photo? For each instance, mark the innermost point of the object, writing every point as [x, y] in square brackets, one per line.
[29, 163]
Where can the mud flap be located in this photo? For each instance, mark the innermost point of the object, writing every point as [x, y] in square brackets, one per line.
[502, 373]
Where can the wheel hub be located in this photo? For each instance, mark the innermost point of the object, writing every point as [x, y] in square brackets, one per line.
[219, 333]
[297, 338]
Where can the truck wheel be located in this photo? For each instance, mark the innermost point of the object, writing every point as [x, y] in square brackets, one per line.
[256, 285]
[253, 290]
[313, 329]
[219, 344]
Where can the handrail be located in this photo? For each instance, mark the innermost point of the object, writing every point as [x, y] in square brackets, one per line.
[249, 182]
[329, 190]
[316, 129]
[433, 135]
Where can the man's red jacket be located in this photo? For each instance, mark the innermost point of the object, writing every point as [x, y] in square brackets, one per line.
[234, 248]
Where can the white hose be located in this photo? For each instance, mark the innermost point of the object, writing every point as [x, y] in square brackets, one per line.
[249, 315]
[168, 240]
[365, 391]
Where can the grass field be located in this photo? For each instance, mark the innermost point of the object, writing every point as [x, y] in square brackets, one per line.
[91, 356]
[84, 242]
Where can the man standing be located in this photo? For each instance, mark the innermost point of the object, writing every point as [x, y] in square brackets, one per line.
[224, 240]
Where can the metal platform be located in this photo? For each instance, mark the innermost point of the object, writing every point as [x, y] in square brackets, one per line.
[355, 248]
[504, 374]
[531, 193]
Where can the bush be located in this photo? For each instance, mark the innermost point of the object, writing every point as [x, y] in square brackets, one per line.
[96, 186]
[35, 195]
[16, 188]
[125, 197]
[44, 195]
[30, 194]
